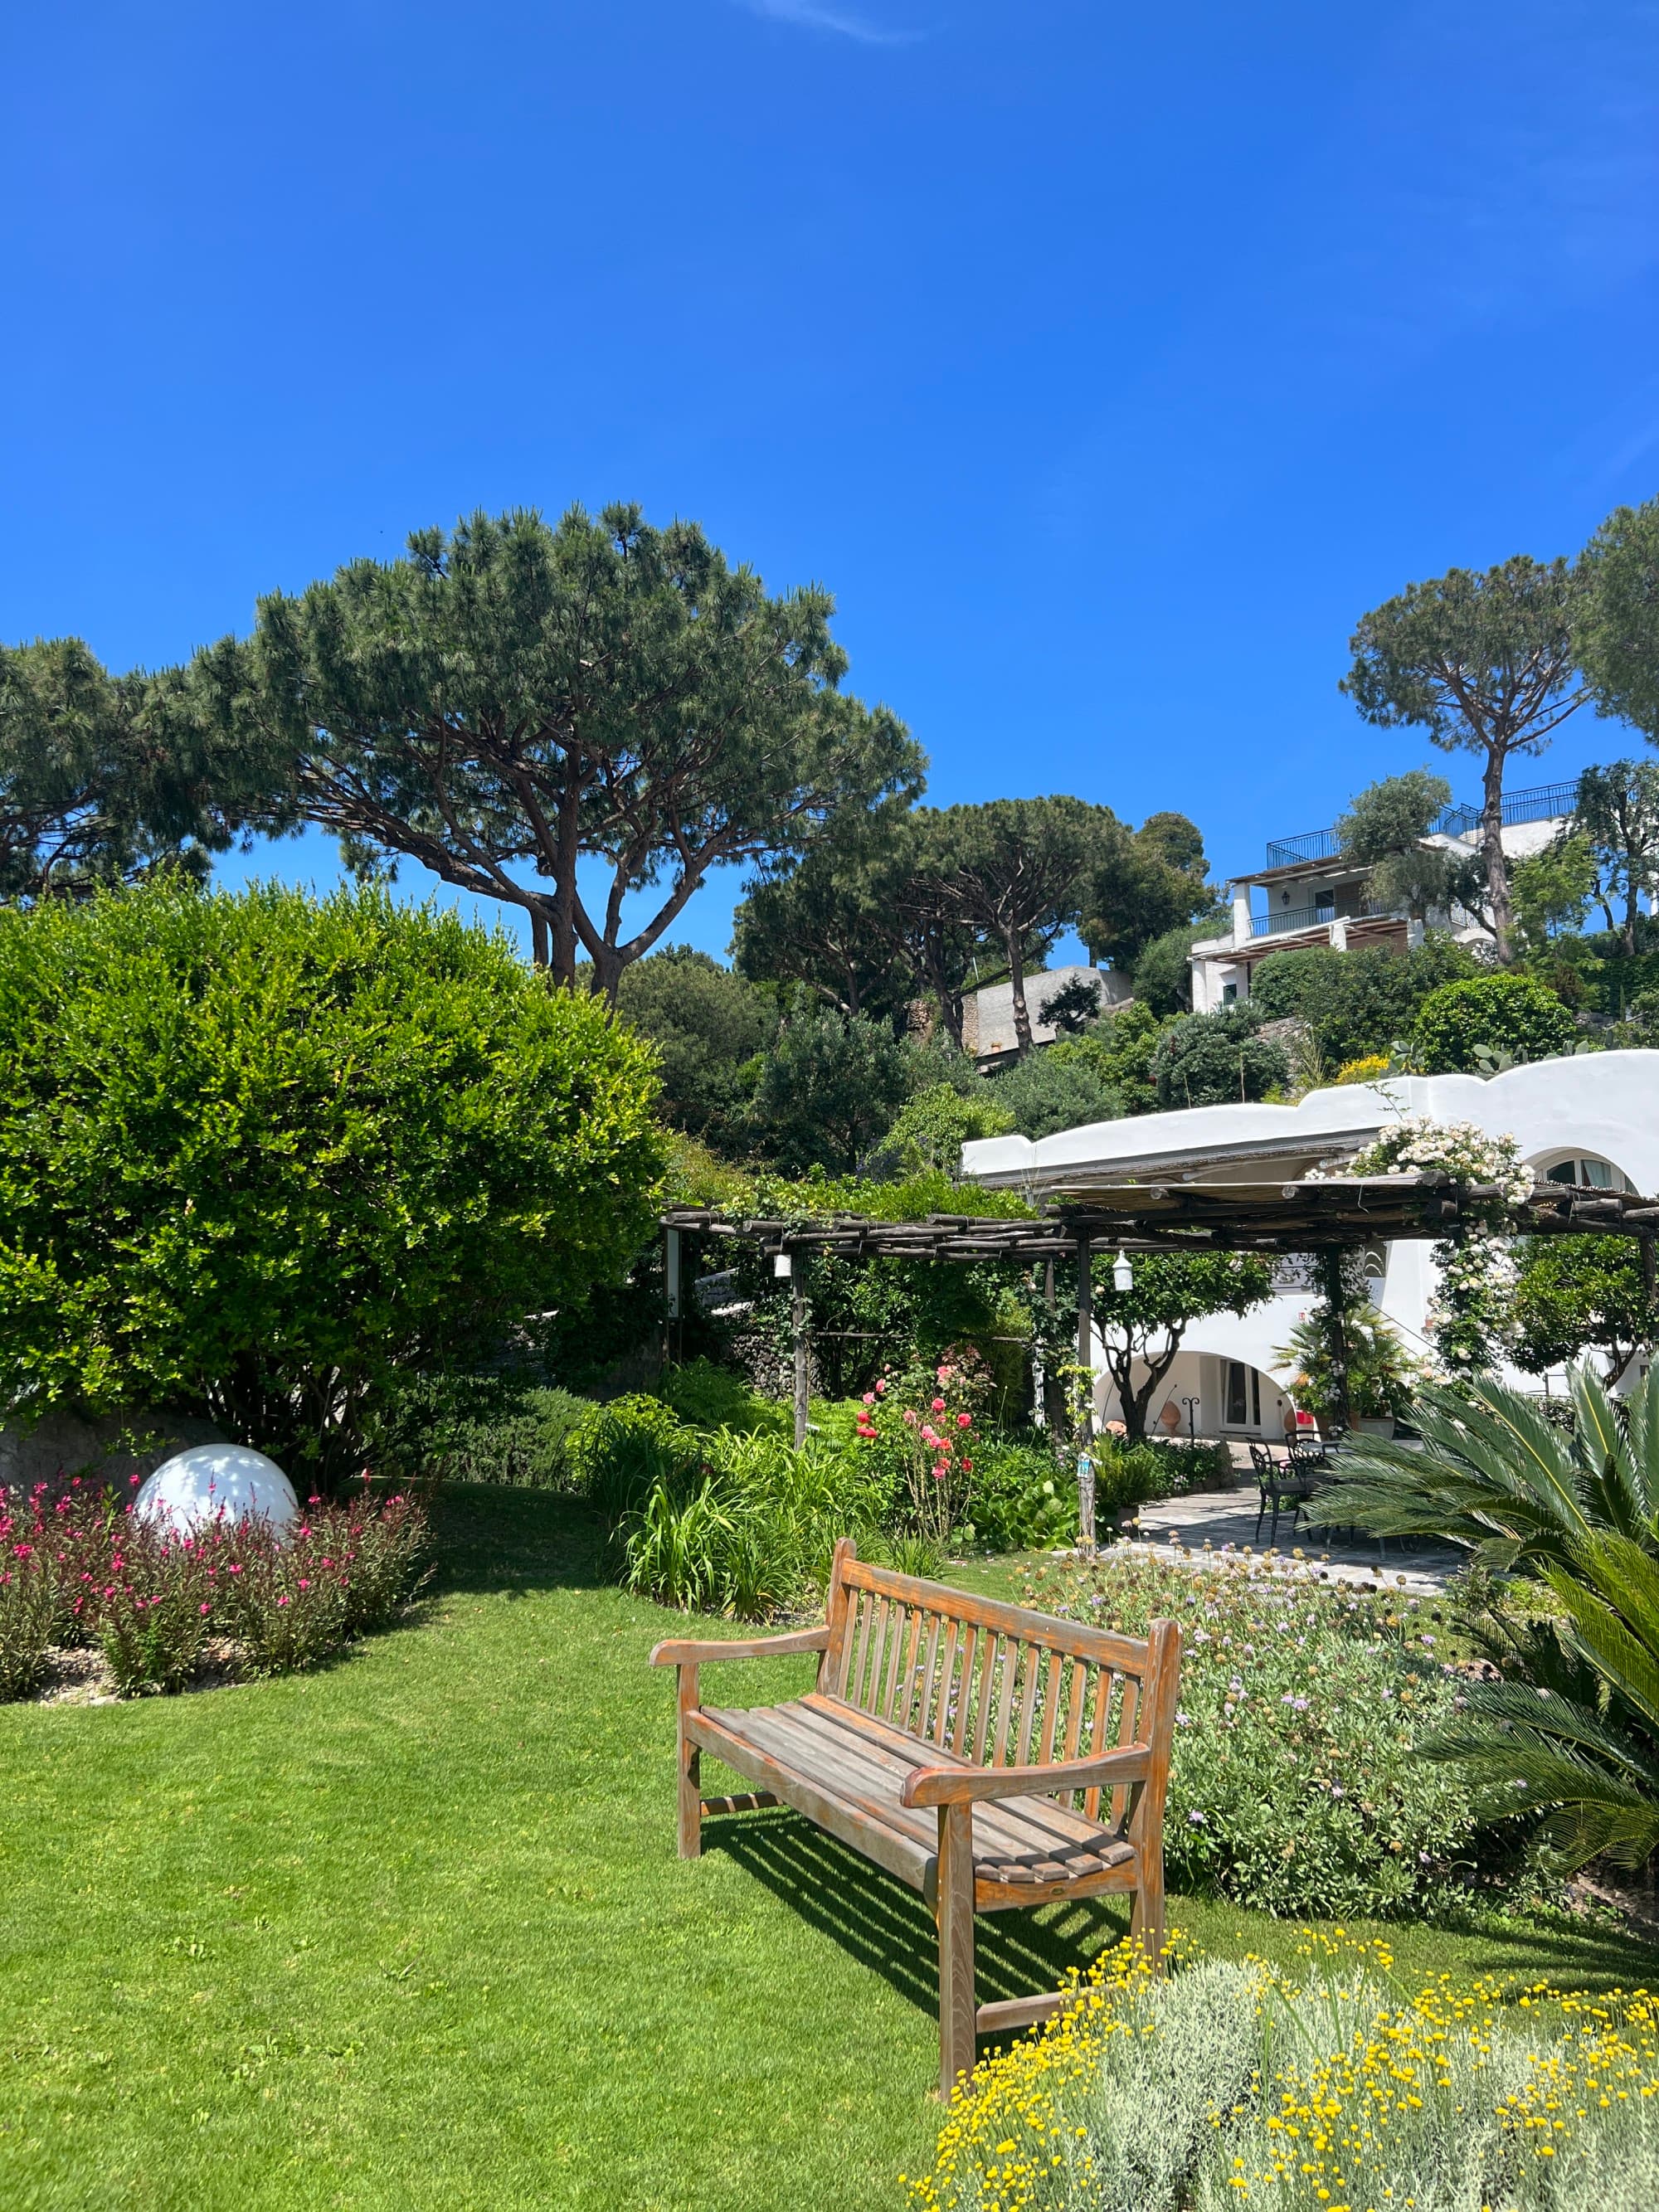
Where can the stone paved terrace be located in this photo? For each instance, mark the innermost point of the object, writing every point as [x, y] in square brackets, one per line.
[1211, 1522]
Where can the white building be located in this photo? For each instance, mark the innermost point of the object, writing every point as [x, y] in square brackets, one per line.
[1309, 895]
[987, 1014]
[1592, 1119]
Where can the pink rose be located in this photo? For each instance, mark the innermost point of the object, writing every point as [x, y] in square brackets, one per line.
[869, 1397]
[938, 1474]
[939, 1405]
[909, 1416]
[964, 1420]
[881, 1389]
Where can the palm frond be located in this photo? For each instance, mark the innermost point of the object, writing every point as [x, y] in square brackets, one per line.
[1640, 1411]
[1607, 1477]
[1502, 1714]
[1588, 1807]
[1603, 1627]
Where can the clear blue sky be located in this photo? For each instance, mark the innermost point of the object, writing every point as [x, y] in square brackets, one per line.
[1105, 362]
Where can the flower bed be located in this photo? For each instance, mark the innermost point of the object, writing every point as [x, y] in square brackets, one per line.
[78, 1572]
[1294, 1783]
[1335, 2090]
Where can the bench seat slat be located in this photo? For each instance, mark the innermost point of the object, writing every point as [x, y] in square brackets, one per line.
[1009, 1827]
[1046, 1819]
[847, 1780]
[863, 1828]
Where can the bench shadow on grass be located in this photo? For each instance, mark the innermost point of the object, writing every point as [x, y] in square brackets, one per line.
[887, 1927]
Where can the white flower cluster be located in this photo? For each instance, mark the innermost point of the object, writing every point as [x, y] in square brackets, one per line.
[1469, 1322]
[1419, 1144]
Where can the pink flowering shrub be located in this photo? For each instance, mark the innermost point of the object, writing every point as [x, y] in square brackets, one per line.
[919, 1426]
[79, 1570]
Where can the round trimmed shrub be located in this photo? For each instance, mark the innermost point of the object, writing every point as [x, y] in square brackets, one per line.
[268, 1159]
[1508, 1014]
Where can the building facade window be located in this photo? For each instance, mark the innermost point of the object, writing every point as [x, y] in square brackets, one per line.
[1243, 1395]
[1585, 1171]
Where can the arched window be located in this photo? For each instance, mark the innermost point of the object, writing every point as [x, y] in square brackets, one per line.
[1587, 1171]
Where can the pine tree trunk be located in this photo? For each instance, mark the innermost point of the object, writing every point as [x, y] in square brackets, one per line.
[1492, 840]
[1017, 978]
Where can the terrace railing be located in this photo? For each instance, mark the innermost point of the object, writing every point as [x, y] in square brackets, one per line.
[1543, 803]
[1293, 918]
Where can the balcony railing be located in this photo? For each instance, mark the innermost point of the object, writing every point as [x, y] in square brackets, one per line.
[1291, 918]
[1317, 845]
[1541, 804]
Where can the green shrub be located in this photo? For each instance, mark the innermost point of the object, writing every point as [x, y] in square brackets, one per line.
[1216, 1059]
[706, 1396]
[829, 1089]
[1053, 1090]
[520, 1441]
[1296, 1785]
[1126, 1476]
[937, 1121]
[707, 1024]
[1510, 1015]
[616, 1453]
[1020, 1498]
[744, 1525]
[913, 1555]
[264, 1158]
[1360, 1002]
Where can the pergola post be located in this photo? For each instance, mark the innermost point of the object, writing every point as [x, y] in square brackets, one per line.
[1086, 1426]
[797, 1332]
[671, 1268]
[1330, 1268]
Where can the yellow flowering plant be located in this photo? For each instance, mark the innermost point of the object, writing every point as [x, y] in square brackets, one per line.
[1334, 2088]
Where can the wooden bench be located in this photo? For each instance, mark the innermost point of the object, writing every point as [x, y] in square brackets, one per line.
[987, 1755]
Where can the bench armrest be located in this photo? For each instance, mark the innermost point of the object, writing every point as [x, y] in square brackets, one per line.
[684, 1650]
[963, 1786]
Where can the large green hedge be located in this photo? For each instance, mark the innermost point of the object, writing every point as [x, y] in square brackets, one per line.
[1510, 1014]
[1357, 1002]
[267, 1160]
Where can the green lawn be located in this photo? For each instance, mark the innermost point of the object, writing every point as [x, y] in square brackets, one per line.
[411, 1933]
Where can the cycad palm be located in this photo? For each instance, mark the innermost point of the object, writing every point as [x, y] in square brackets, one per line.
[1577, 1513]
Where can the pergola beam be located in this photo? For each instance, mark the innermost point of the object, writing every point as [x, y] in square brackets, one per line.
[1312, 1215]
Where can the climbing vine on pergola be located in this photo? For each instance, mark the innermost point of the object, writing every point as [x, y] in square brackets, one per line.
[1324, 1215]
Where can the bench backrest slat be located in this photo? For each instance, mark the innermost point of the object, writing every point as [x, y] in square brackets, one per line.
[985, 1681]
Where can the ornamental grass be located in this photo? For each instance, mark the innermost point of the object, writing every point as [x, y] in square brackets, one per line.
[1337, 2087]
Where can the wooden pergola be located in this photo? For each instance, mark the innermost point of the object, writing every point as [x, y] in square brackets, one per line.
[1321, 1215]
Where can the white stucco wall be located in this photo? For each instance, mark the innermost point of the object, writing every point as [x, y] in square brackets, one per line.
[1604, 1104]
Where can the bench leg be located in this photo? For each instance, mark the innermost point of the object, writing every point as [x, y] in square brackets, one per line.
[1147, 1914]
[690, 1760]
[955, 1911]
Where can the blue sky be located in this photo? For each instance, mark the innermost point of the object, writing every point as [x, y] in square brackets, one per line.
[1106, 363]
